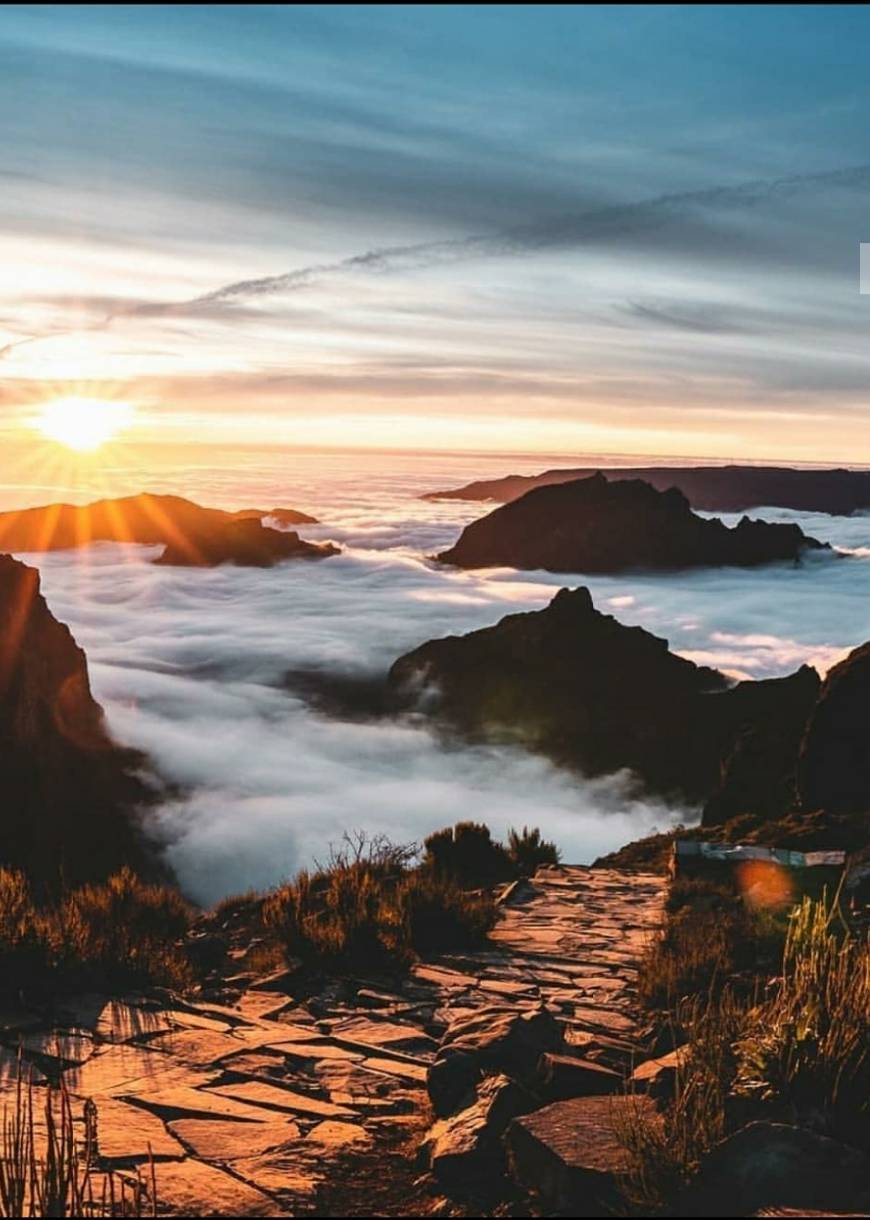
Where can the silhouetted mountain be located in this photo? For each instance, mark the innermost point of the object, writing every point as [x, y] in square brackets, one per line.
[834, 765]
[247, 543]
[591, 693]
[143, 518]
[592, 525]
[720, 489]
[69, 792]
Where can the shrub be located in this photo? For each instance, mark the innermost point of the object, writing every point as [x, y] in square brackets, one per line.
[528, 851]
[440, 916]
[466, 854]
[797, 1050]
[126, 931]
[807, 1047]
[711, 939]
[368, 909]
[107, 936]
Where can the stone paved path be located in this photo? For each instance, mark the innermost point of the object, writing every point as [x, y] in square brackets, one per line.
[248, 1107]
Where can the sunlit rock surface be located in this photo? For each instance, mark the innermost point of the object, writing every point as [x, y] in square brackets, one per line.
[290, 1112]
[144, 518]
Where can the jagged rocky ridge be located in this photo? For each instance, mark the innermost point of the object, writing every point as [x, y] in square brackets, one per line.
[246, 542]
[595, 695]
[69, 791]
[719, 489]
[142, 518]
[595, 526]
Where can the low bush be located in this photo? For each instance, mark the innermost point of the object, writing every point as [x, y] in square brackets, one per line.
[109, 936]
[468, 855]
[711, 939]
[368, 908]
[792, 1049]
[528, 851]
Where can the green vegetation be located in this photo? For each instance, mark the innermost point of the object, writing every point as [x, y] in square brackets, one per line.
[118, 934]
[711, 939]
[47, 1169]
[794, 1049]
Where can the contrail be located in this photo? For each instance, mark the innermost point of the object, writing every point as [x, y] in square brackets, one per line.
[587, 226]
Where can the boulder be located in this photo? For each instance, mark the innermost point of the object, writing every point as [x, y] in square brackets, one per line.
[493, 1040]
[564, 1076]
[658, 1077]
[597, 526]
[570, 1155]
[771, 1165]
[464, 1151]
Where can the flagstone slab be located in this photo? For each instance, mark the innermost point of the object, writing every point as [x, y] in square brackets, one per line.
[257, 1093]
[128, 1133]
[225, 1140]
[120, 1021]
[193, 1188]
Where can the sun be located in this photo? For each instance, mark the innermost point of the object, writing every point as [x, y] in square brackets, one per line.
[83, 424]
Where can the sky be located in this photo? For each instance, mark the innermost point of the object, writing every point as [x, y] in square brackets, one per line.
[493, 228]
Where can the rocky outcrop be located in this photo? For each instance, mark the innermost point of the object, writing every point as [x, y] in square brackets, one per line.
[143, 518]
[247, 543]
[768, 1165]
[68, 789]
[465, 1152]
[593, 525]
[571, 1154]
[590, 693]
[718, 489]
[834, 764]
[759, 771]
[491, 1041]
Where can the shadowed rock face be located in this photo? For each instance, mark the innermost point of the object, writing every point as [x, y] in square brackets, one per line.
[144, 518]
[68, 789]
[590, 693]
[593, 525]
[718, 489]
[247, 543]
[834, 765]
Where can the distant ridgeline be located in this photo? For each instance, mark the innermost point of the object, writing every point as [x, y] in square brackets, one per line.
[721, 489]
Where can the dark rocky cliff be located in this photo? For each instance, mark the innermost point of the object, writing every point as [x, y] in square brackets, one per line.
[596, 526]
[69, 793]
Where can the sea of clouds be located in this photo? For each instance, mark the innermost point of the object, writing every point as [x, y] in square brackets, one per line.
[192, 666]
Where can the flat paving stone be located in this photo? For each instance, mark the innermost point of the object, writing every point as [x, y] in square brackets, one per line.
[224, 1140]
[257, 1093]
[194, 1188]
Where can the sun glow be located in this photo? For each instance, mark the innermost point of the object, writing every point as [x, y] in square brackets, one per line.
[83, 424]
